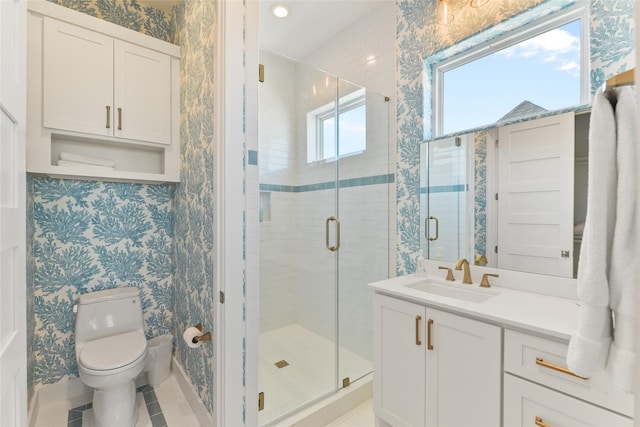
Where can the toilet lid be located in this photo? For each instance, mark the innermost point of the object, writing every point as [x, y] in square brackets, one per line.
[113, 352]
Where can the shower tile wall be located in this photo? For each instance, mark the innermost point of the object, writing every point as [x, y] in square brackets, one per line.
[365, 54]
[308, 296]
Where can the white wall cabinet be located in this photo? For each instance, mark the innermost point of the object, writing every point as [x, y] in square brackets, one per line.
[78, 79]
[434, 368]
[101, 90]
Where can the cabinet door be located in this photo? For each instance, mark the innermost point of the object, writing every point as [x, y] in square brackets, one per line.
[528, 404]
[78, 79]
[142, 94]
[463, 372]
[399, 361]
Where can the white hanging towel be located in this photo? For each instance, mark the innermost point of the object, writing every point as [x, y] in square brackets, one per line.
[623, 274]
[589, 345]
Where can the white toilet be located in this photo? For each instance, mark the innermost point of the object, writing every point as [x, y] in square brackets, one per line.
[111, 350]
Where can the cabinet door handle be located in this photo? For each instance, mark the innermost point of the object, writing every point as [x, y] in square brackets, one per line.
[119, 118]
[539, 423]
[418, 319]
[108, 117]
[541, 362]
[429, 323]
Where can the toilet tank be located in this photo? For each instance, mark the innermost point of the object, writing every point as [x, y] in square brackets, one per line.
[109, 312]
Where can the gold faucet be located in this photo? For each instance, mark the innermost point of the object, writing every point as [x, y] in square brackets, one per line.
[484, 283]
[467, 274]
[450, 277]
[481, 260]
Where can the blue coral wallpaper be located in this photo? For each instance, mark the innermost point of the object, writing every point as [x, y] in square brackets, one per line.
[88, 236]
[194, 199]
[127, 13]
[421, 41]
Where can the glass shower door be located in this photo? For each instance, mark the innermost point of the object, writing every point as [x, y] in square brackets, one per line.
[446, 226]
[298, 237]
[324, 232]
[363, 194]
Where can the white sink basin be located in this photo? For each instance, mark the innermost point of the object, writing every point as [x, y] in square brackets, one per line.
[455, 292]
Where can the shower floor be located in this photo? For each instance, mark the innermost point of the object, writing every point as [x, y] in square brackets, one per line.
[311, 372]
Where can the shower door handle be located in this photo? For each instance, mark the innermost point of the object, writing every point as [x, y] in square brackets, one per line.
[337, 246]
[426, 228]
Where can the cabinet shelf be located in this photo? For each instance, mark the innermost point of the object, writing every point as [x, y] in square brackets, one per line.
[98, 89]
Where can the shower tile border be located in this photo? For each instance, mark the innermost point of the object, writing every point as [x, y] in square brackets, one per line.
[343, 183]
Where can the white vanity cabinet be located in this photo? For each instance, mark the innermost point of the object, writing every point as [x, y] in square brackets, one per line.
[98, 89]
[434, 368]
[539, 390]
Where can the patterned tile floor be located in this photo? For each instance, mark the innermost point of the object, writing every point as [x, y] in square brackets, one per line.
[162, 406]
[81, 416]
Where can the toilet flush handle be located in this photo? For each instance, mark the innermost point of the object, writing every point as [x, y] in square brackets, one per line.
[75, 308]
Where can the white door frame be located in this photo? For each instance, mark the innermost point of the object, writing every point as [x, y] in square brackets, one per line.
[637, 75]
[13, 320]
[229, 76]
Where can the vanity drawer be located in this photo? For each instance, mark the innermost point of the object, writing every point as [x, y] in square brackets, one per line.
[534, 358]
[528, 404]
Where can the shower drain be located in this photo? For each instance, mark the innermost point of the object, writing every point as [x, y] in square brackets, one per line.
[281, 364]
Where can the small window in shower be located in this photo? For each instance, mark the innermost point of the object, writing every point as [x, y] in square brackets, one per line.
[352, 128]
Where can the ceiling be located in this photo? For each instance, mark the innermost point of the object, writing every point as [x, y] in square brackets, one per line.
[310, 23]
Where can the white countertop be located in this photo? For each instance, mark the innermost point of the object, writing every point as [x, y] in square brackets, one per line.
[547, 315]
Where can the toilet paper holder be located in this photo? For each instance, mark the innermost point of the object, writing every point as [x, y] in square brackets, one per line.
[203, 337]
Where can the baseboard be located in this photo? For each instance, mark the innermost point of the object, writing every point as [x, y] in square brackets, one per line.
[201, 411]
[333, 407]
[72, 390]
[34, 405]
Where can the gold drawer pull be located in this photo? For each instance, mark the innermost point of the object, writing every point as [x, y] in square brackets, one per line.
[541, 362]
[429, 323]
[418, 319]
[539, 423]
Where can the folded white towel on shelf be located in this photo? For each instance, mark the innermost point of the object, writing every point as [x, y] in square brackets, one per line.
[623, 275]
[91, 160]
[589, 345]
[82, 165]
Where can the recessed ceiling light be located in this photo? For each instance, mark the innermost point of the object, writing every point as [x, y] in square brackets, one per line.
[280, 10]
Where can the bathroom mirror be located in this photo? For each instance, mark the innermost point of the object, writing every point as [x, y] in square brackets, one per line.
[520, 202]
[513, 188]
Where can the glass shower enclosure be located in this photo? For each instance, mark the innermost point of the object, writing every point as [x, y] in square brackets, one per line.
[446, 192]
[324, 232]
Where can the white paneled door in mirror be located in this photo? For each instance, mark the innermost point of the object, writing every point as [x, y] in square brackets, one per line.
[535, 188]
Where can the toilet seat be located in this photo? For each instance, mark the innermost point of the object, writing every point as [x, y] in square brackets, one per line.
[109, 354]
